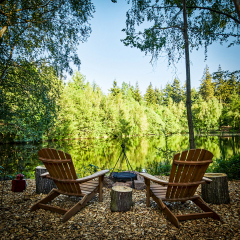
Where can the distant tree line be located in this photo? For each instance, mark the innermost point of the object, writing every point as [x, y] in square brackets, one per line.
[79, 109]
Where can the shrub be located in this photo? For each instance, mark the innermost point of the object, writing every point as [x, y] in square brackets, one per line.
[229, 166]
[159, 168]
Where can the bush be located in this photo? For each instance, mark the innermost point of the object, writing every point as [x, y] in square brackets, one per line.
[229, 166]
[159, 168]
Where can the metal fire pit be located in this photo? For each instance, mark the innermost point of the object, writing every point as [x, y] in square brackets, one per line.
[124, 176]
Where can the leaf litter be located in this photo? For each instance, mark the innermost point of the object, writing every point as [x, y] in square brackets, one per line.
[96, 221]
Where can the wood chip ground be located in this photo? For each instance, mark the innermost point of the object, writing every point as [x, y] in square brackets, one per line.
[96, 221]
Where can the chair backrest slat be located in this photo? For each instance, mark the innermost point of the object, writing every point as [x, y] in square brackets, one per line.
[189, 169]
[49, 166]
[172, 175]
[60, 169]
[199, 171]
[67, 173]
[191, 172]
[72, 171]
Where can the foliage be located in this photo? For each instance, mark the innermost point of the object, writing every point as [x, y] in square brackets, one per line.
[42, 32]
[88, 170]
[136, 93]
[206, 114]
[208, 22]
[207, 86]
[159, 168]
[150, 96]
[229, 166]
[28, 103]
[115, 90]
[234, 111]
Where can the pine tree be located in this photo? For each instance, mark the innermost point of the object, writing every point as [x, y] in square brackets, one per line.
[137, 95]
[150, 96]
[115, 90]
[221, 86]
[167, 93]
[207, 86]
[159, 96]
[177, 91]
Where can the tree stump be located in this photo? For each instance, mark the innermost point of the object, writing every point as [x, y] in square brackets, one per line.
[121, 199]
[217, 191]
[43, 185]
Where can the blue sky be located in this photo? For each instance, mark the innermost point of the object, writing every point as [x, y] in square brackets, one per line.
[104, 58]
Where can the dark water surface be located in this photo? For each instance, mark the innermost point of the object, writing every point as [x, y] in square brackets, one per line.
[104, 153]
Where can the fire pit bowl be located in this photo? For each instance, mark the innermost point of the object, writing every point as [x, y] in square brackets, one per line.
[124, 176]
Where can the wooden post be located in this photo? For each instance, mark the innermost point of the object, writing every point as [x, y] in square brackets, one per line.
[217, 191]
[121, 199]
[43, 185]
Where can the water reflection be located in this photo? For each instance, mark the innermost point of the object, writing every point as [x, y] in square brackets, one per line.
[105, 152]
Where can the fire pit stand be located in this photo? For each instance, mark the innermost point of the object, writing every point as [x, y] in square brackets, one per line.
[124, 176]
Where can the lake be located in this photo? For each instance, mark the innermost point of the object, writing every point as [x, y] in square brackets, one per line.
[105, 153]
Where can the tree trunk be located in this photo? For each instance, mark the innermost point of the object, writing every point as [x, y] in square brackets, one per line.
[121, 199]
[237, 7]
[217, 191]
[188, 80]
[43, 185]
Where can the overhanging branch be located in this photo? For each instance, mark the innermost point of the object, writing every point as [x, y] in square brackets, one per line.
[216, 11]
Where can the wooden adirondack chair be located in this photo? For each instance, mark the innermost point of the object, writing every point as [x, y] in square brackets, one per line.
[186, 174]
[61, 170]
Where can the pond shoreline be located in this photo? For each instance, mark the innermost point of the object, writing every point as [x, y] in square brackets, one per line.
[220, 134]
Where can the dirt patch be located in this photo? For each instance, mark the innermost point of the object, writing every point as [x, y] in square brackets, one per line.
[96, 221]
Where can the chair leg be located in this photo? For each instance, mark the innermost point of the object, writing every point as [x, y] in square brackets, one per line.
[54, 193]
[199, 202]
[148, 194]
[167, 211]
[77, 207]
[100, 179]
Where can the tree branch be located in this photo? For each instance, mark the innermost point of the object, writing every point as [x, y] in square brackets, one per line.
[216, 11]
[163, 28]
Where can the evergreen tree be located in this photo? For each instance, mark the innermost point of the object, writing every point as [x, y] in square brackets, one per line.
[177, 91]
[159, 96]
[137, 95]
[167, 93]
[115, 90]
[150, 96]
[234, 110]
[207, 86]
[221, 88]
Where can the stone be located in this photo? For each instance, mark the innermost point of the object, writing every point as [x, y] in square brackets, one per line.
[139, 185]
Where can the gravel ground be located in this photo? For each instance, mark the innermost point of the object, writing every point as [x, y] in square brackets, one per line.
[96, 221]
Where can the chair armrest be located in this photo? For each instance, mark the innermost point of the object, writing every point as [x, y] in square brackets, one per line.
[154, 179]
[44, 174]
[207, 180]
[95, 175]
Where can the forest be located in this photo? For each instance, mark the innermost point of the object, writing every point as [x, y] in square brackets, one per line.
[38, 46]
[78, 109]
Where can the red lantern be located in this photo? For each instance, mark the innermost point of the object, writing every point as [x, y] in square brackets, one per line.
[19, 184]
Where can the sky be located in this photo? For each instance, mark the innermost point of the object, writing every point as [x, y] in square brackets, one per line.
[104, 58]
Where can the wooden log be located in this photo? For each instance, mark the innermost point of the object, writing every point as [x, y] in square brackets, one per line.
[43, 185]
[121, 199]
[217, 191]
